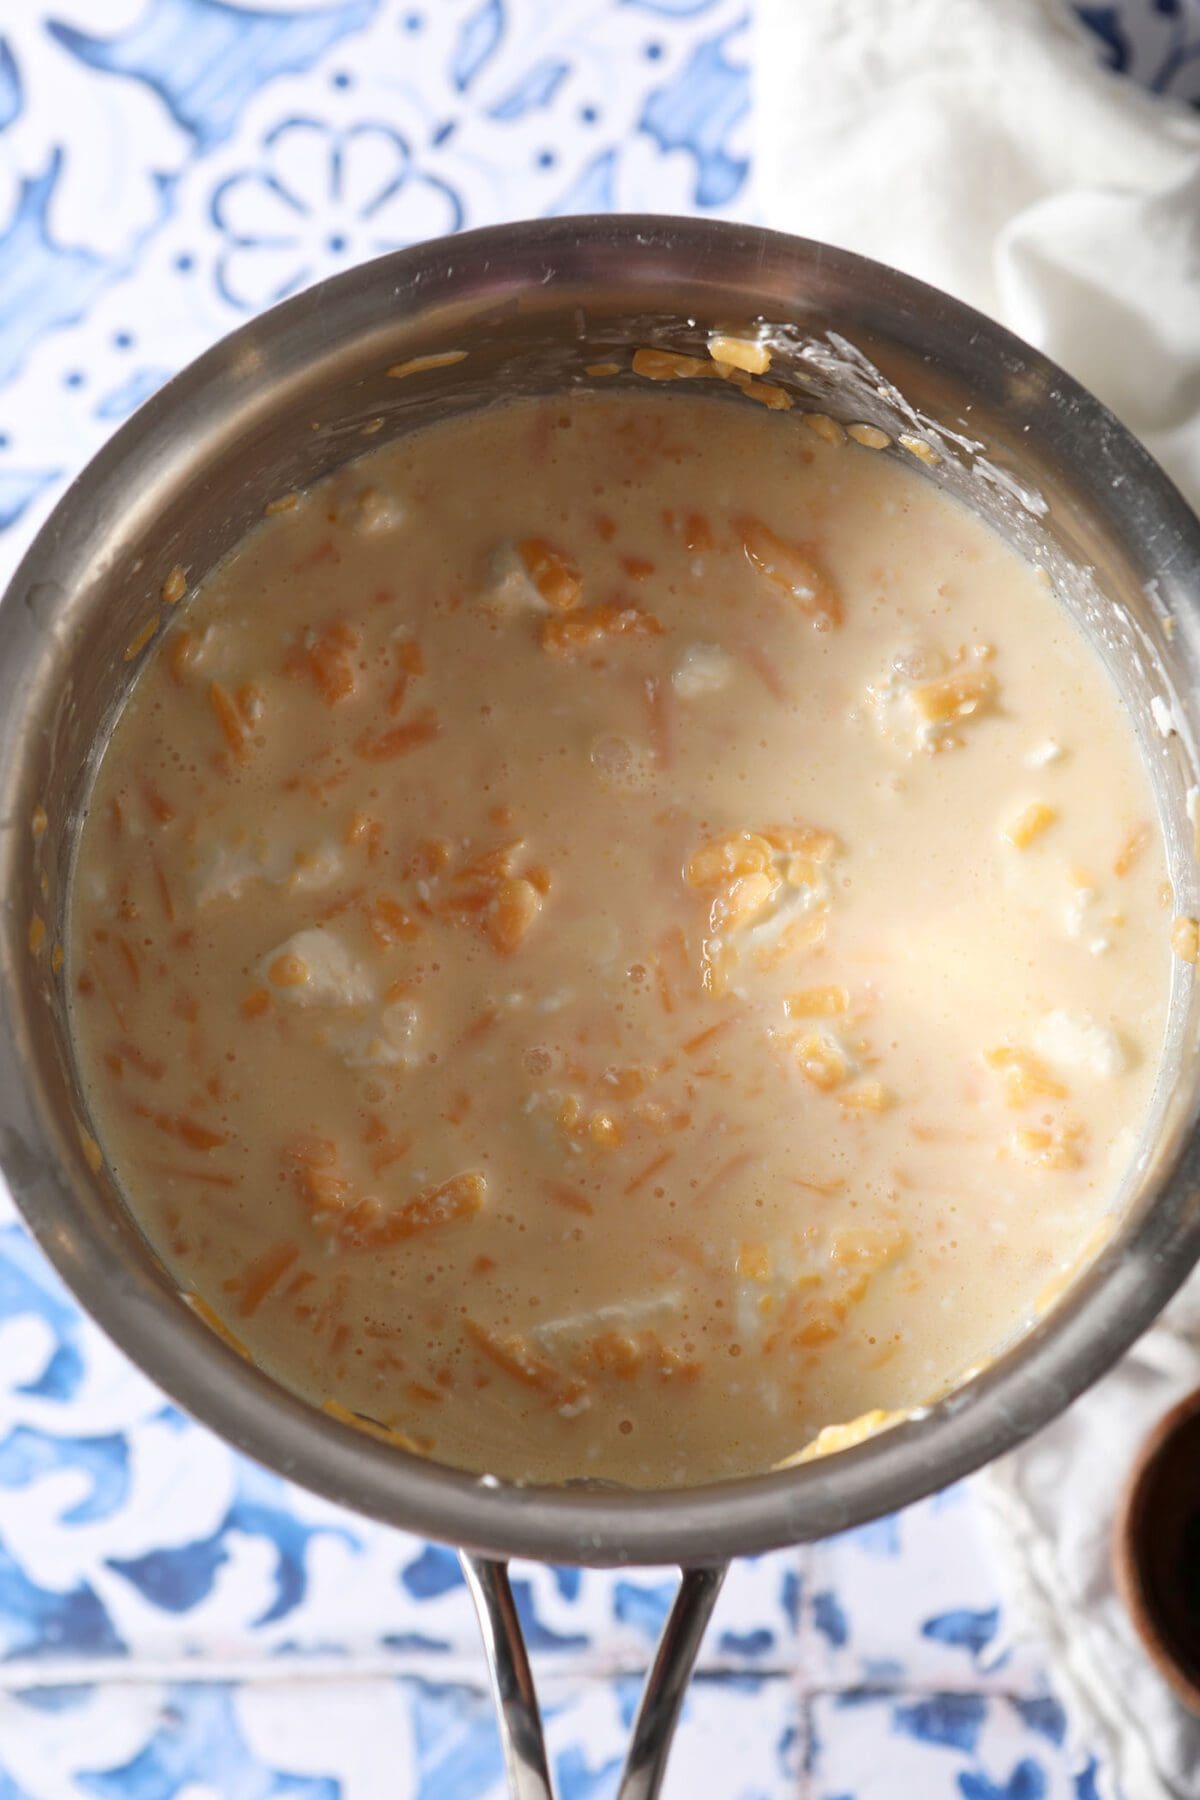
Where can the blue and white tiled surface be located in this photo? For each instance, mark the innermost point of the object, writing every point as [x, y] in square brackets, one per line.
[176, 1624]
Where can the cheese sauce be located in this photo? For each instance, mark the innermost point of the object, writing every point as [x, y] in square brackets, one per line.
[617, 932]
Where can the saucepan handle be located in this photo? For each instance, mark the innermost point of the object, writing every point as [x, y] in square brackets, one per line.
[516, 1700]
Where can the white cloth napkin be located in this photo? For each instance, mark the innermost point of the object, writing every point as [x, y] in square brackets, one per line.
[1050, 1506]
[980, 145]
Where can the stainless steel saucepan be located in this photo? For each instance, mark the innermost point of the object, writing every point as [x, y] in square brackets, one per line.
[280, 404]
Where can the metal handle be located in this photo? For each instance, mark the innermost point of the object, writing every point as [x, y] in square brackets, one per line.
[517, 1712]
[666, 1684]
[517, 1709]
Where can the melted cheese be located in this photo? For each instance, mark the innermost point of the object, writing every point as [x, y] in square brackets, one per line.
[612, 971]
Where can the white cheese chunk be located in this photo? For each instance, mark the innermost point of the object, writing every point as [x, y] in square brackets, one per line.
[1077, 1044]
[332, 976]
[792, 903]
[925, 700]
[508, 589]
[558, 1337]
[373, 511]
[703, 669]
[312, 870]
[223, 871]
[386, 1042]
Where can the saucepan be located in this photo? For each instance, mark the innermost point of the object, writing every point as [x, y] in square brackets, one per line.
[298, 392]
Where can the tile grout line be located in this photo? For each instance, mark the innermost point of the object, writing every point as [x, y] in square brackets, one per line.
[806, 1561]
[186, 1671]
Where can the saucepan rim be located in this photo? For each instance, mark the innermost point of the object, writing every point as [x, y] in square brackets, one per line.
[1022, 1389]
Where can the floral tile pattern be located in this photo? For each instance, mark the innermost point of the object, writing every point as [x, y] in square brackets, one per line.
[175, 1623]
[942, 1746]
[913, 1598]
[362, 1739]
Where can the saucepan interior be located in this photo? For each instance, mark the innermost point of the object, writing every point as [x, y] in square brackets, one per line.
[299, 392]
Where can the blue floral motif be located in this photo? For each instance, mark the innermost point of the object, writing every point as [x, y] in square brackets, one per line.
[697, 112]
[416, 1643]
[40, 284]
[538, 1634]
[29, 1288]
[644, 1605]
[39, 1621]
[1043, 1714]
[880, 1538]
[200, 1739]
[457, 1749]
[1027, 1782]
[791, 1593]
[480, 34]
[206, 58]
[54, 1699]
[964, 1627]
[18, 487]
[671, 9]
[593, 190]
[122, 399]
[434, 1572]
[568, 1582]
[830, 1620]
[1086, 1781]
[954, 1720]
[752, 1645]
[26, 1456]
[536, 89]
[177, 1579]
[577, 1780]
[319, 195]
[10, 86]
